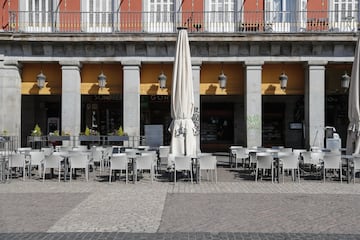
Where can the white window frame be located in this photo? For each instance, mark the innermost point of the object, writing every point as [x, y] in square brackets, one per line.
[280, 15]
[220, 15]
[97, 16]
[159, 15]
[36, 15]
[343, 15]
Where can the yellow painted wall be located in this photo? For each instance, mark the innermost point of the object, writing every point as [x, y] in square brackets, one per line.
[89, 79]
[270, 79]
[333, 77]
[149, 84]
[52, 71]
[209, 83]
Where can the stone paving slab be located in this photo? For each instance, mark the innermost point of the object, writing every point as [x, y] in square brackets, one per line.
[256, 212]
[175, 236]
[34, 212]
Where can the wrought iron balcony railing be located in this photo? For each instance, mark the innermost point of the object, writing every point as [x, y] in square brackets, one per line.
[167, 22]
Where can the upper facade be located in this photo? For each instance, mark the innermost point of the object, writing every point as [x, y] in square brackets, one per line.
[164, 16]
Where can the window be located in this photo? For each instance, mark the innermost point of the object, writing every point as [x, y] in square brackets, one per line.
[220, 15]
[159, 15]
[97, 15]
[283, 15]
[343, 15]
[36, 15]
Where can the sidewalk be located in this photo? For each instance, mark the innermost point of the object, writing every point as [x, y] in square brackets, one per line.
[233, 208]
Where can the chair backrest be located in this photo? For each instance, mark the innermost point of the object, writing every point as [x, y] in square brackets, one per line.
[234, 148]
[264, 161]
[131, 152]
[143, 148]
[164, 151]
[317, 157]
[290, 161]
[52, 161]
[119, 161]
[37, 157]
[356, 161]
[78, 161]
[207, 162]
[24, 149]
[182, 162]
[17, 160]
[241, 153]
[332, 161]
[306, 157]
[47, 151]
[97, 155]
[144, 162]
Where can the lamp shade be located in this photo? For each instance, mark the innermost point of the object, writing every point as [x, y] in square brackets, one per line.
[162, 80]
[222, 80]
[40, 79]
[102, 80]
[345, 80]
[283, 78]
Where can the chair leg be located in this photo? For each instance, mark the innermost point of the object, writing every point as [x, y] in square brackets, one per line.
[191, 176]
[71, 170]
[354, 175]
[324, 174]
[340, 170]
[110, 175]
[126, 176]
[44, 174]
[59, 172]
[174, 175]
[256, 174]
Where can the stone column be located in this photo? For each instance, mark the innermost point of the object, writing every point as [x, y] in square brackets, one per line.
[71, 98]
[196, 67]
[131, 83]
[253, 103]
[10, 98]
[315, 104]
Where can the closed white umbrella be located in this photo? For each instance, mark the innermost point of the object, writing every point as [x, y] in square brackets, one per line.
[183, 140]
[353, 137]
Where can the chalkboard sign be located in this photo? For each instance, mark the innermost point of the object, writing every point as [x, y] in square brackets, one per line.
[154, 135]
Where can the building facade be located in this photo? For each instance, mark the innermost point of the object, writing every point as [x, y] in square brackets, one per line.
[132, 42]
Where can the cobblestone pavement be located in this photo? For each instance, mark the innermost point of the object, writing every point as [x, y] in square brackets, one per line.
[229, 209]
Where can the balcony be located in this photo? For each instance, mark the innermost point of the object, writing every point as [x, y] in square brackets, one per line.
[196, 22]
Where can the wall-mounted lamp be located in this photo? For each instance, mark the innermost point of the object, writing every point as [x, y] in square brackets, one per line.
[283, 78]
[345, 80]
[162, 79]
[222, 78]
[102, 79]
[41, 79]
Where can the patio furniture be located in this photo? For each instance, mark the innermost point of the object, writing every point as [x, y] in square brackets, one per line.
[290, 162]
[17, 160]
[119, 161]
[356, 165]
[36, 159]
[52, 161]
[332, 161]
[208, 163]
[146, 162]
[79, 161]
[264, 162]
[164, 152]
[183, 163]
[240, 155]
